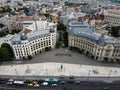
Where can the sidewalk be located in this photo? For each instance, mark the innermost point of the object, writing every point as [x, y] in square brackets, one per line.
[58, 69]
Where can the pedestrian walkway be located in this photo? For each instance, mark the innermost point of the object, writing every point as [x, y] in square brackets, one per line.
[57, 69]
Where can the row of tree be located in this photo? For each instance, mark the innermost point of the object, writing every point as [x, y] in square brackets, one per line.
[63, 35]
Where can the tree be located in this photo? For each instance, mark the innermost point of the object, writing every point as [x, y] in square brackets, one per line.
[66, 88]
[6, 45]
[115, 31]
[5, 54]
[47, 15]
[58, 44]
[29, 57]
[15, 31]
[2, 34]
[65, 36]
[61, 26]
[106, 88]
[47, 49]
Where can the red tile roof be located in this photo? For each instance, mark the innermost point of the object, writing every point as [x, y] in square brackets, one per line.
[26, 31]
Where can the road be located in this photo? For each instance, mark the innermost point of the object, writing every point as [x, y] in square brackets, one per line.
[81, 86]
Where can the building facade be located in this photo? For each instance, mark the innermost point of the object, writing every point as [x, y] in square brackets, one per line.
[33, 43]
[112, 16]
[98, 46]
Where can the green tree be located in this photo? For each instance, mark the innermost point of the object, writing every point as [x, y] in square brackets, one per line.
[6, 45]
[61, 26]
[5, 54]
[65, 40]
[58, 44]
[66, 88]
[115, 31]
[106, 88]
[2, 34]
[47, 15]
[29, 57]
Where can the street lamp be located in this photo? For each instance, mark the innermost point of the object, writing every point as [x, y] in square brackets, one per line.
[109, 74]
[16, 73]
[88, 75]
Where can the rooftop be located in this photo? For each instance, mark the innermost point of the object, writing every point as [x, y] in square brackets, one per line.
[83, 30]
[30, 35]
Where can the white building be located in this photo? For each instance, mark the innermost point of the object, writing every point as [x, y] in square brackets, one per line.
[35, 41]
[112, 16]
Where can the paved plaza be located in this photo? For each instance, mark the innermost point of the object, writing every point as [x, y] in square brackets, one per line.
[64, 55]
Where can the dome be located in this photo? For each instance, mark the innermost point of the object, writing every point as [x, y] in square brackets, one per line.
[23, 37]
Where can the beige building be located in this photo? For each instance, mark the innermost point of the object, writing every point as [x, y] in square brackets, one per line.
[98, 46]
[112, 16]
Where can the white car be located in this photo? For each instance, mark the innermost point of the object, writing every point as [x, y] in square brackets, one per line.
[77, 82]
[36, 85]
[54, 85]
[44, 83]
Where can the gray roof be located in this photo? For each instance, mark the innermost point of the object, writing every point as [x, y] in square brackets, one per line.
[31, 36]
[80, 29]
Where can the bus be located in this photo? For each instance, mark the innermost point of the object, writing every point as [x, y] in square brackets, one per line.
[19, 83]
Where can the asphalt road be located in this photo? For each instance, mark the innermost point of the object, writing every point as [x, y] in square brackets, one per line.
[81, 86]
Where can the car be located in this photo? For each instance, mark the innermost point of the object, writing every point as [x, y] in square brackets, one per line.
[10, 82]
[30, 85]
[2, 81]
[44, 83]
[62, 82]
[54, 85]
[70, 81]
[36, 85]
[77, 82]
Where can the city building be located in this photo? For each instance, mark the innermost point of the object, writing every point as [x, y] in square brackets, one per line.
[33, 41]
[98, 46]
[112, 16]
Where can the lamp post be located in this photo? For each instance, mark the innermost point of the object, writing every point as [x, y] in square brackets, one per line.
[88, 75]
[16, 73]
[109, 75]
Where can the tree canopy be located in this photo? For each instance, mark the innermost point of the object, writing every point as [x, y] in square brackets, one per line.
[2, 34]
[115, 31]
[6, 49]
[4, 54]
[61, 26]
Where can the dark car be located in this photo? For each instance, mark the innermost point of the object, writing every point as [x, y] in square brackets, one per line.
[3, 81]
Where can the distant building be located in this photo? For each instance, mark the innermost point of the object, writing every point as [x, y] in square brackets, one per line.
[112, 16]
[98, 46]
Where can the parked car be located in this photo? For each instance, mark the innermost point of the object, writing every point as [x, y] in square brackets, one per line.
[54, 85]
[10, 82]
[30, 85]
[44, 83]
[35, 84]
[62, 81]
[3, 81]
[77, 82]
